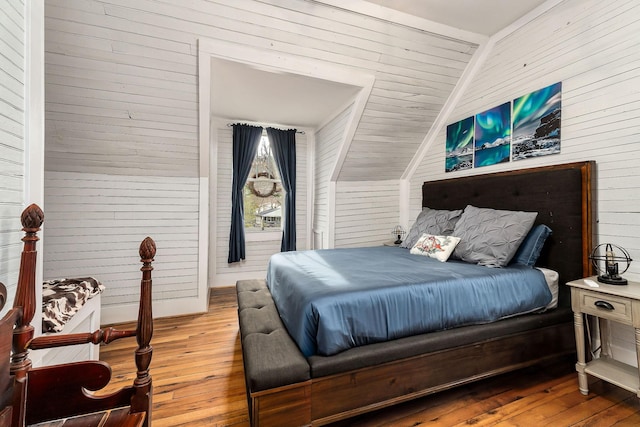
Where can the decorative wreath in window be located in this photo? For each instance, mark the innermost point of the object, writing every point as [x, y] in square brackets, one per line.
[262, 187]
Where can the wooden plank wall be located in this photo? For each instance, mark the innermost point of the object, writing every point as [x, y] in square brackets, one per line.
[121, 76]
[366, 212]
[121, 89]
[94, 225]
[120, 98]
[591, 47]
[259, 245]
[328, 140]
[12, 139]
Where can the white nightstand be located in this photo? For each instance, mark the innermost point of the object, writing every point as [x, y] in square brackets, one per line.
[607, 303]
[391, 243]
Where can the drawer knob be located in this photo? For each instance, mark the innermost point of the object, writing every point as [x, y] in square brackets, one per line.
[604, 304]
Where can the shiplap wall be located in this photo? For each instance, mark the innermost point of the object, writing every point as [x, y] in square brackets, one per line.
[366, 212]
[591, 47]
[94, 228]
[121, 153]
[121, 77]
[12, 140]
[415, 73]
[259, 245]
[328, 140]
[122, 95]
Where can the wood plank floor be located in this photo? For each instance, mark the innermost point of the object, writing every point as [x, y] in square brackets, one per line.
[198, 381]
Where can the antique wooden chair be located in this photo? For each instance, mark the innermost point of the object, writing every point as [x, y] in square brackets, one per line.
[63, 394]
[6, 379]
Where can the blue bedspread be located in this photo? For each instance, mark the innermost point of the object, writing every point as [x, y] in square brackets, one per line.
[334, 299]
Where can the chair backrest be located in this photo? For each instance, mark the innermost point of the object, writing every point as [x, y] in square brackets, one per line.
[35, 395]
[6, 379]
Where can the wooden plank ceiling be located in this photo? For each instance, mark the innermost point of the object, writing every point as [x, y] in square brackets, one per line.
[121, 78]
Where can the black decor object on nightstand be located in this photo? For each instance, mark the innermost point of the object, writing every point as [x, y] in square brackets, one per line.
[606, 258]
[398, 230]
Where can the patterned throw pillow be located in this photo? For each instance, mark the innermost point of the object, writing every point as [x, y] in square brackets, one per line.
[438, 247]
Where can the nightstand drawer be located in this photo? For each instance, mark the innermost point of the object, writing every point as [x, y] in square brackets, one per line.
[606, 306]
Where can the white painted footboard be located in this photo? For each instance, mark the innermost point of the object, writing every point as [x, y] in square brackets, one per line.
[87, 319]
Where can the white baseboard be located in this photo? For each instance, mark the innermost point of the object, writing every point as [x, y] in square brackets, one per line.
[164, 308]
[230, 279]
[625, 355]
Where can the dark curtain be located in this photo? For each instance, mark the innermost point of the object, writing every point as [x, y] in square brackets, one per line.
[283, 147]
[245, 144]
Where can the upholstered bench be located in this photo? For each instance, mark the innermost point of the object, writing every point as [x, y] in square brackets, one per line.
[271, 358]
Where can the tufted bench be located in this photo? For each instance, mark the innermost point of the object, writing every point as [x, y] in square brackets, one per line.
[271, 358]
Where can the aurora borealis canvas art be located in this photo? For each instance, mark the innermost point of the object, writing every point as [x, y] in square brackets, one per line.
[459, 145]
[536, 123]
[525, 128]
[493, 136]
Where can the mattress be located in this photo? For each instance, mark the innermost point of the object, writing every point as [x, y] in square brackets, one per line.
[336, 299]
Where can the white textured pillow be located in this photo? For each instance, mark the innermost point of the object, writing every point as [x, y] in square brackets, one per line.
[438, 247]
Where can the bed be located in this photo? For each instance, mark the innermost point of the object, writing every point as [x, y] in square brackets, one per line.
[289, 383]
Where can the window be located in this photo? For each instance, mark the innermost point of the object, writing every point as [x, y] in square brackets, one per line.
[263, 194]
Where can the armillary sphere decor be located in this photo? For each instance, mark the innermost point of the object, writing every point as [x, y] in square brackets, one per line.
[398, 230]
[606, 258]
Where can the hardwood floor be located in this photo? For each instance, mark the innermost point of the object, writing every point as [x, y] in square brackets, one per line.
[198, 380]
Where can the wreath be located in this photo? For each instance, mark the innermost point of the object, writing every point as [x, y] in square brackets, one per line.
[264, 188]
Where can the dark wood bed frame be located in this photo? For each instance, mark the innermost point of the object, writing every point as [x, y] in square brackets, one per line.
[375, 376]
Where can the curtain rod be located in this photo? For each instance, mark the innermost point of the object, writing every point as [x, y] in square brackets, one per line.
[301, 132]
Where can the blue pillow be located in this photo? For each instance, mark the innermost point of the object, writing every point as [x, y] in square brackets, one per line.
[531, 247]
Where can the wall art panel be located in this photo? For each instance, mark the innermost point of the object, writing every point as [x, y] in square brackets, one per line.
[459, 146]
[536, 123]
[493, 136]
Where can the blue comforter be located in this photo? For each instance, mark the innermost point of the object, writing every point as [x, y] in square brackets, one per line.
[334, 299]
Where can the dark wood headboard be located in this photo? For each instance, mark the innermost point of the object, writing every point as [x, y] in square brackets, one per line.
[561, 194]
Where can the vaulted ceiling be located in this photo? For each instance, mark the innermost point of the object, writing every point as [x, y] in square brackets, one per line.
[483, 17]
[416, 67]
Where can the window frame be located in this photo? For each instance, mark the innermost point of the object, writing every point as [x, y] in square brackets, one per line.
[269, 233]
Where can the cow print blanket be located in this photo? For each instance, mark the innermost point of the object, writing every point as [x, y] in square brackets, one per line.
[63, 298]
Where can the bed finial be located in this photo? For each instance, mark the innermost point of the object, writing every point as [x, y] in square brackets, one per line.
[147, 249]
[144, 332]
[32, 218]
